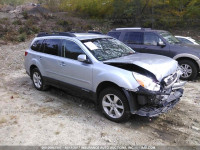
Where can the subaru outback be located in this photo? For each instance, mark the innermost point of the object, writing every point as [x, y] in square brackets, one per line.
[101, 68]
[146, 40]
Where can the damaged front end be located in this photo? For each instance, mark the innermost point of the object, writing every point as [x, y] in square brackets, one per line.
[159, 86]
[153, 103]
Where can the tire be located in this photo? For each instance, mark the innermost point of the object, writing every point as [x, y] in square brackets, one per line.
[114, 105]
[37, 79]
[189, 68]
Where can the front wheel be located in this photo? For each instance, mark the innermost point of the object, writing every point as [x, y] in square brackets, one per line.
[114, 105]
[189, 69]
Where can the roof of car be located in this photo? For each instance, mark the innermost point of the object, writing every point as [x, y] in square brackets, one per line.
[79, 36]
[87, 36]
[137, 29]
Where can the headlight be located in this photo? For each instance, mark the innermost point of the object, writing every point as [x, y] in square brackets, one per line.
[146, 82]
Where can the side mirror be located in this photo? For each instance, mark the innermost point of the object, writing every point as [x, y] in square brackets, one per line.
[83, 58]
[161, 43]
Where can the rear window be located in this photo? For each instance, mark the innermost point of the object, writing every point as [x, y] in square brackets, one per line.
[51, 46]
[114, 34]
[37, 45]
[134, 37]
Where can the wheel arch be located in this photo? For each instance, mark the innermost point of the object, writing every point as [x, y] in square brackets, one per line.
[185, 56]
[104, 85]
[189, 58]
[31, 69]
[131, 98]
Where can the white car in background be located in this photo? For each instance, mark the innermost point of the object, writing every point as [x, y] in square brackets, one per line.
[187, 40]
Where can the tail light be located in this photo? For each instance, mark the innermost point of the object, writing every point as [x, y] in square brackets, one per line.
[26, 53]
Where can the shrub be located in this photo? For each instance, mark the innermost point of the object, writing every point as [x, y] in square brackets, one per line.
[25, 15]
[35, 29]
[10, 36]
[21, 30]
[63, 23]
[17, 22]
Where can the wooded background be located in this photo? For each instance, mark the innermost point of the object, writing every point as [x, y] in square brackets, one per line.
[162, 14]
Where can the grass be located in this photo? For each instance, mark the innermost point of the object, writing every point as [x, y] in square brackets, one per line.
[57, 132]
[48, 111]
[3, 120]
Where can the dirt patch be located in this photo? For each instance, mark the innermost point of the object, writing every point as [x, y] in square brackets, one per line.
[31, 117]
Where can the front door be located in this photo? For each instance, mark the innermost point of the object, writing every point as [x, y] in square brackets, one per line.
[74, 72]
[150, 45]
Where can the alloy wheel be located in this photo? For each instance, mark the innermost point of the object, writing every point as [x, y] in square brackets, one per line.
[113, 106]
[37, 80]
[187, 70]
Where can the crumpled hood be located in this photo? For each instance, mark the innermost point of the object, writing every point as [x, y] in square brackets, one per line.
[160, 66]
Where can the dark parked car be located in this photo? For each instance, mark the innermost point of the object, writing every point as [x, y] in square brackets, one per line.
[146, 40]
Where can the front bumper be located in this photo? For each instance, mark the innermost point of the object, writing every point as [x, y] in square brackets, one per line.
[198, 62]
[153, 104]
[153, 111]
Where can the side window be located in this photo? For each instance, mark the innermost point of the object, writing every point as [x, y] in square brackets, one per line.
[151, 39]
[134, 38]
[51, 46]
[37, 45]
[71, 50]
[114, 34]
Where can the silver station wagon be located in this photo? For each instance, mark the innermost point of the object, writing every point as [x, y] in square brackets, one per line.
[101, 68]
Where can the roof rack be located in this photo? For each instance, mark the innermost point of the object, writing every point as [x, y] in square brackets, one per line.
[95, 32]
[43, 34]
[90, 31]
[132, 28]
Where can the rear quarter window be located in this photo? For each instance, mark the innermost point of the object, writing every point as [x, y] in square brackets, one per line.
[114, 34]
[134, 37]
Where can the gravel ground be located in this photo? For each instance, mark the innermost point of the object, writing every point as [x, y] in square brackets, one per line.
[31, 117]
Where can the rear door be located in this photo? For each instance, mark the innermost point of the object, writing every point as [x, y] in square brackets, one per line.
[150, 45]
[134, 40]
[49, 58]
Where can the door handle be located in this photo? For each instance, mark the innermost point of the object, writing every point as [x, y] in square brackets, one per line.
[40, 58]
[62, 64]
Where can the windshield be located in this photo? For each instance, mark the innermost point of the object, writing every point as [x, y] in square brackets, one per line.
[107, 48]
[169, 37]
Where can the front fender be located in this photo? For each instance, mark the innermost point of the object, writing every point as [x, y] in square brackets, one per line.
[123, 79]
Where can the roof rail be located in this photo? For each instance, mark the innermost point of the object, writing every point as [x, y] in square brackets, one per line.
[136, 28]
[133, 28]
[43, 34]
[95, 32]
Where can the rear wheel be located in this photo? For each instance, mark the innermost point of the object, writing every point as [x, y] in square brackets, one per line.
[189, 69]
[38, 81]
[114, 105]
